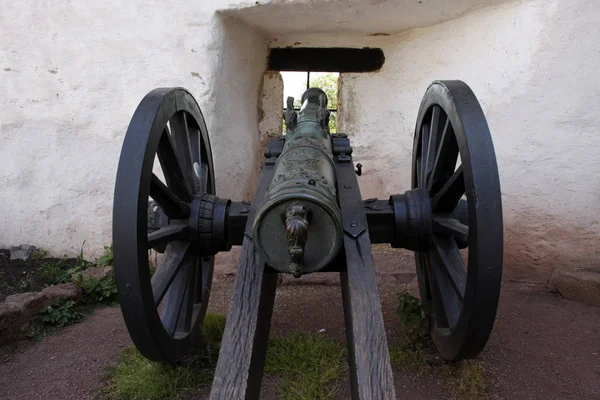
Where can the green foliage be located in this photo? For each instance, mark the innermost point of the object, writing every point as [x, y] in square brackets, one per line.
[213, 327]
[306, 363]
[415, 324]
[463, 379]
[106, 259]
[37, 332]
[63, 313]
[81, 263]
[329, 84]
[56, 273]
[408, 353]
[96, 290]
[38, 254]
[28, 282]
[406, 357]
[135, 377]
[99, 290]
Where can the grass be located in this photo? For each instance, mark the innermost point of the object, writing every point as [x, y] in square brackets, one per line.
[464, 379]
[135, 377]
[406, 358]
[306, 363]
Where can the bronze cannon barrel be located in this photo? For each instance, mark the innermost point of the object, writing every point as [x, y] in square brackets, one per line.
[298, 228]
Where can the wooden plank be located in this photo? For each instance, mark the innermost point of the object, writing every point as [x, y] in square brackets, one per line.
[244, 346]
[368, 356]
[370, 368]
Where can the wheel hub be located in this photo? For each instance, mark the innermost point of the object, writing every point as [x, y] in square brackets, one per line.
[412, 220]
[207, 224]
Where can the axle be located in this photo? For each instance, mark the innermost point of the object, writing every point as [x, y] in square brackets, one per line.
[393, 221]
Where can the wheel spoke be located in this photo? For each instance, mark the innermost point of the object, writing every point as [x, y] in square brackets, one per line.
[419, 182]
[172, 168]
[196, 152]
[437, 306]
[448, 196]
[176, 255]
[205, 279]
[184, 323]
[175, 308]
[424, 287]
[167, 234]
[170, 204]
[424, 150]
[181, 138]
[195, 143]
[445, 159]
[204, 178]
[446, 225]
[447, 256]
[446, 300]
[438, 119]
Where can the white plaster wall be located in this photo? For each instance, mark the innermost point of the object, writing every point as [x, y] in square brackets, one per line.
[368, 17]
[533, 66]
[72, 73]
[270, 123]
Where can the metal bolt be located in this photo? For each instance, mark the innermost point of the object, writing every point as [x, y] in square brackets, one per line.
[358, 169]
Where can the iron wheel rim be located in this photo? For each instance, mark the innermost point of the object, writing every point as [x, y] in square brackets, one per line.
[459, 329]
[149, 137]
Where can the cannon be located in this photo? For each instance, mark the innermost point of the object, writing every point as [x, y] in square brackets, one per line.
[307, 215]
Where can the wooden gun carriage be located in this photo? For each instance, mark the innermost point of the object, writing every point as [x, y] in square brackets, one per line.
[307, 215]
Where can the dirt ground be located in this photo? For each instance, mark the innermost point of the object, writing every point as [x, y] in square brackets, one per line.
[542, 346]
[19, 276]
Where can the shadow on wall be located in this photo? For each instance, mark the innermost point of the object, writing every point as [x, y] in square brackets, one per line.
[232, 111]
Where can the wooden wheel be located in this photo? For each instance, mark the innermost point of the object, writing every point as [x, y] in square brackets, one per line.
[454, 159]
[163, 309]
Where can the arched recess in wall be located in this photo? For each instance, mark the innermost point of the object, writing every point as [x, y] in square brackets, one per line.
[307, 60]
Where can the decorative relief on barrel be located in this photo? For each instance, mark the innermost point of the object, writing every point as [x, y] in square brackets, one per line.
[310, 177]
[301, 155]
[302, 141]
[290, 116]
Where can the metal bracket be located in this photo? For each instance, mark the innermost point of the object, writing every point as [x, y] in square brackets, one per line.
[353, 213]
